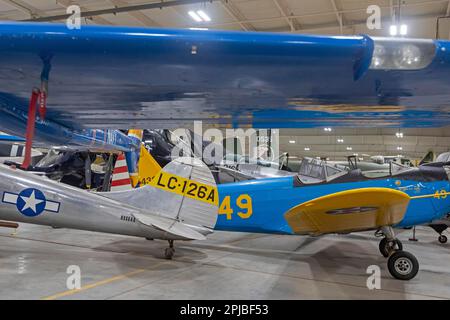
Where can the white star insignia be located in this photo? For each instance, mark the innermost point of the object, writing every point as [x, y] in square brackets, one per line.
[30, 202]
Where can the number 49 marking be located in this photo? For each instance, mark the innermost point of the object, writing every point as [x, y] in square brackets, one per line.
[441, 194]
[244, 202]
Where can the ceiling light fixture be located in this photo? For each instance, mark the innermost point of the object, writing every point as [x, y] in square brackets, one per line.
[195, 16]
[349, 148]
[203, 15]
[291, 141]
[403, 30]
[307, 149]
[393, 30]
[340, 140]
[199, 16]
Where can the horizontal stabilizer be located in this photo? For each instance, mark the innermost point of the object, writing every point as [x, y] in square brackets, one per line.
[170, 226]
[349, 211]
[235, 174]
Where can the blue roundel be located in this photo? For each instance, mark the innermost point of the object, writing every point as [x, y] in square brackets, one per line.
[31, 202]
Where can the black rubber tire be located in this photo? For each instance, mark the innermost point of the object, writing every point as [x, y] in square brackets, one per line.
[442, 239]
[403, 265]
[383, 247]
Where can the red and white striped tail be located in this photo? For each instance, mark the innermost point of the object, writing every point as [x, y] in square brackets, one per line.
[121, 177]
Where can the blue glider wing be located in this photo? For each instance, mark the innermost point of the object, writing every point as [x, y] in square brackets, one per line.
[116, 77]
[6, 138]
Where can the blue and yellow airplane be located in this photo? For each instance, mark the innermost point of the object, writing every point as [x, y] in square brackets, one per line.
[343, 202]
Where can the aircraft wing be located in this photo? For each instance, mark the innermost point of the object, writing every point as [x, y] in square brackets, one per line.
[6, 138]
[349, 211]
[117, 77]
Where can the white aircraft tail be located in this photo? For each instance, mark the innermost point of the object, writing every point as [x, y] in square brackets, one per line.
[182, 199]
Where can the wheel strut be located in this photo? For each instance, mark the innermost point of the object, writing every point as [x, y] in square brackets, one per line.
[169, 252]
[402, 265]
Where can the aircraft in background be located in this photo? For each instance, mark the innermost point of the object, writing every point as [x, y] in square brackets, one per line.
[12, 149]
[241, 168]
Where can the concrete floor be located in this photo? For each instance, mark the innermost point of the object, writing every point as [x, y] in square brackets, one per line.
[33, 265]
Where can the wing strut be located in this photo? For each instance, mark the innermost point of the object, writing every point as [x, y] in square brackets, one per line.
[30, 127]
[37, 96]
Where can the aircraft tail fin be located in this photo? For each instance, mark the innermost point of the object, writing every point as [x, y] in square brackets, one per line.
[147, 167]
[121, 177]
[184, 192]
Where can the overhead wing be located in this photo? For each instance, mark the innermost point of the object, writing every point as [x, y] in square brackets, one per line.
[116, 77]
[349, 211]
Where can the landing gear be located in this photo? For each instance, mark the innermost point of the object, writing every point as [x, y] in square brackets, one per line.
[440, 228]
[402, 265]
[170, 251]
[387, 247]
[442, 239]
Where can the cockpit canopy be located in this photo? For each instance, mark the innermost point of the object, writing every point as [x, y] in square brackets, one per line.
[314, 171]
[318, 171]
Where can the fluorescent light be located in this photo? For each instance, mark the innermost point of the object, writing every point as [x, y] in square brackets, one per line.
[393, 30]
[307, 149]
[399, 148]
[340, 140]
[198, 29]
[327, 129]
[349, 148]
[203, 15]
[195, 16]
[292, 141]
[403, 30]
[399, 135]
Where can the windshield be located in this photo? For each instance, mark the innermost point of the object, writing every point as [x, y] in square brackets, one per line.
[319, 170]
[50, 158]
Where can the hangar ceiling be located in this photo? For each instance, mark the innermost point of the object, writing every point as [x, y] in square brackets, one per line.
[332, 17]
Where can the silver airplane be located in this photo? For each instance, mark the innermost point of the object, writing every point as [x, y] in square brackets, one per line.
[152, 212]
